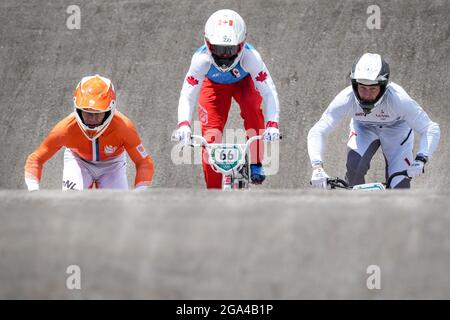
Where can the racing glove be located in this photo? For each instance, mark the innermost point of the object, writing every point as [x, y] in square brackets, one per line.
[183, 133]
[417, 166]
[319, 178]
[32, 184]
[140, 188]
[271, 133]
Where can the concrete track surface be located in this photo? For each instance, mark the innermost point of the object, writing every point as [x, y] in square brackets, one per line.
[280, 240]
[278, 244]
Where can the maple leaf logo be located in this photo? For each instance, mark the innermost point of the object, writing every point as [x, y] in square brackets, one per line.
[192, 81]
[261, 77]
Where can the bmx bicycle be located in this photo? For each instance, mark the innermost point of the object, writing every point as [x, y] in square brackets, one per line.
[232, 160]
[373, 186]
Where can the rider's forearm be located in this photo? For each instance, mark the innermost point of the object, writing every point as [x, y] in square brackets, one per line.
[420, 122]
[185, 110]
[316, 142]
[186, 104]
[36, 160]
[33, 168]
[429, 139]
[33, 172]
[318, 134]
[192, 83]
[144, 172]
[271, 105]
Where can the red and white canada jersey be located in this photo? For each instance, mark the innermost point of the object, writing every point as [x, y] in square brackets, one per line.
[250, 63]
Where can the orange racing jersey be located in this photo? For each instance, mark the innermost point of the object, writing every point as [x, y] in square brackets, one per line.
[120, 135]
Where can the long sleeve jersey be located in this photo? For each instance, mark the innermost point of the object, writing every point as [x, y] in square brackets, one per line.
[396, 106]
[250, 63]
[120, 135]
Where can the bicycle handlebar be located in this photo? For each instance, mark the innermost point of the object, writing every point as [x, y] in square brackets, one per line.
[338, 183]
[205, 143]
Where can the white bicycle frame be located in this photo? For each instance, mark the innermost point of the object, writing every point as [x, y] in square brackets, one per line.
[228, 159]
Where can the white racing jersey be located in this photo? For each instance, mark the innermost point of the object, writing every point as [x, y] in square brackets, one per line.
[396, 105]
[250, 63]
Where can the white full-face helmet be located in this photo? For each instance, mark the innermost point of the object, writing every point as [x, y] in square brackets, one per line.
[370, 70]
[225, 34]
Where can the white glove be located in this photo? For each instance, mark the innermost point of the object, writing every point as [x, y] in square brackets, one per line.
[183, 133]
[319, 178]
[271, 134]
[416, 168]
[32, 184]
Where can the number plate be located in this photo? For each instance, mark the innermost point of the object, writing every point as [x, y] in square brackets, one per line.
[226, 158]
[369, 186]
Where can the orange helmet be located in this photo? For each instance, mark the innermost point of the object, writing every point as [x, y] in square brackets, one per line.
[94, 94]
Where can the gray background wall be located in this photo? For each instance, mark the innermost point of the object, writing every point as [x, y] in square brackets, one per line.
[145, 47]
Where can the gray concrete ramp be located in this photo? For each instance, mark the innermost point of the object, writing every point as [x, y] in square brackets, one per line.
[167, 244]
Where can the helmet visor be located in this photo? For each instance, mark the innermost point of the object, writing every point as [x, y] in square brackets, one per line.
[367, 82]
[224, 51]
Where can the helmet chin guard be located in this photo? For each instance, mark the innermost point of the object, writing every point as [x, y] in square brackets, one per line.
[226, 62]
[92, 133]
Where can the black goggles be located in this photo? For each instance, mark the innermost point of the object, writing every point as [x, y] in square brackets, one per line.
[224, 51]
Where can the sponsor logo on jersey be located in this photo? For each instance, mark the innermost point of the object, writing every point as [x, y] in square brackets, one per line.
[140, 148]
[261, 77]
[382, 115]
[192, 81]
[360, 114]
[110, 149]
[68, 185]
[235, 72]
